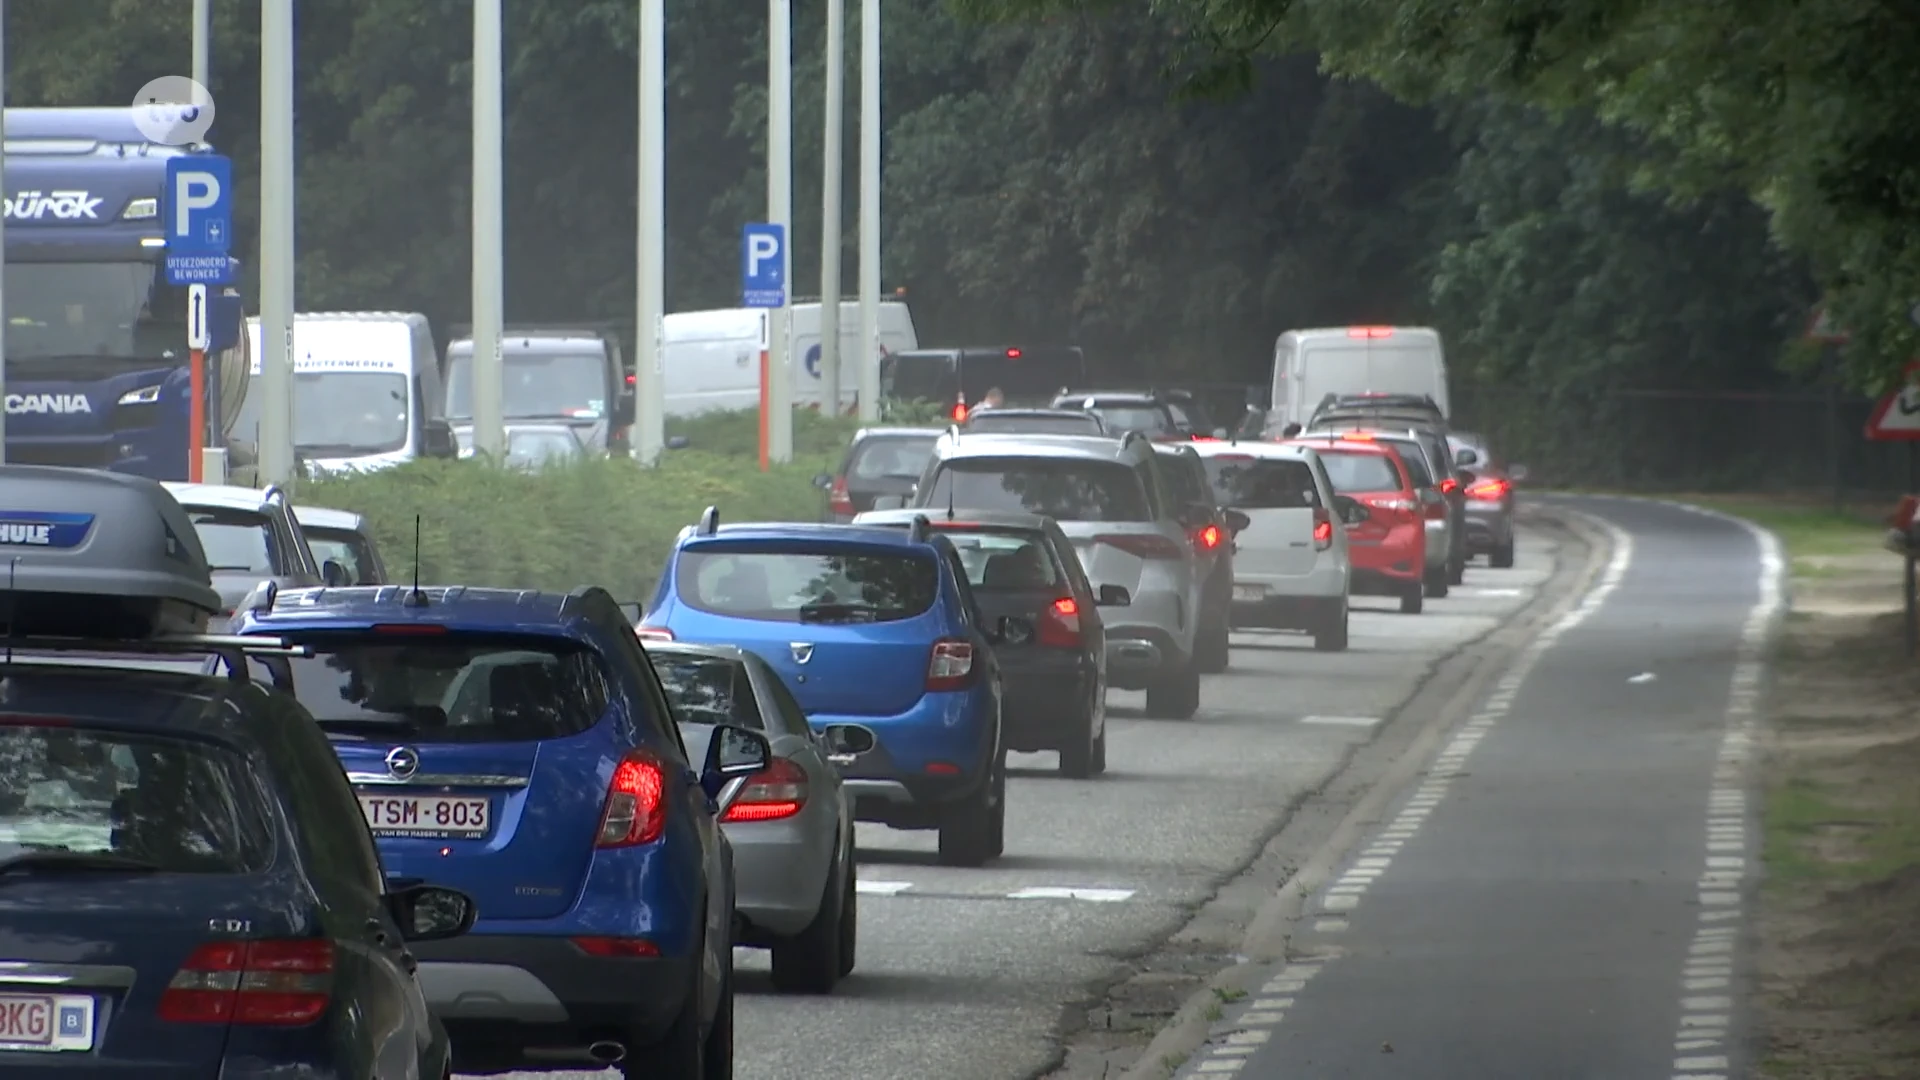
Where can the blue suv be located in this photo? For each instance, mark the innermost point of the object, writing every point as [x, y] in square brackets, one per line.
[870, 627]
[518, 746]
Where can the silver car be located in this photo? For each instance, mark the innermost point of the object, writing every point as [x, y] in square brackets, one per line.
[340, 536]
[251, 536]
[791, 827]
[1489, 492]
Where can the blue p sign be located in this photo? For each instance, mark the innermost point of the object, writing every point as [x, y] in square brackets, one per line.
[762, 266]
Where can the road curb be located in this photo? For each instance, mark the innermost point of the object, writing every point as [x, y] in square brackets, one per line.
[1461, 681]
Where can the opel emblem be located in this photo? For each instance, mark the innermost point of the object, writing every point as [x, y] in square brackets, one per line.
[802, 651]
[403, 762]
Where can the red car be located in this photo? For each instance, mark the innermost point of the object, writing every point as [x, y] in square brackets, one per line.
[1389, 549]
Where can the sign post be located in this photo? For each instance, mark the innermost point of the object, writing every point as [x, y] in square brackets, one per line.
[198, 339]
[763, 285]
[1897, 418]
[196, 209]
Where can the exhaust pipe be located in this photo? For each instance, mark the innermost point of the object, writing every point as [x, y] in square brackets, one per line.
[607, 1052]
[603, 1052]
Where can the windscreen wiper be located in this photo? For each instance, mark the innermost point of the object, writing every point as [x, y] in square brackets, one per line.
[57, 862]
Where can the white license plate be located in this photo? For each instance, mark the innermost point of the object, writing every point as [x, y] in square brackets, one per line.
[1249, 592]
[51, 1022]
[435, 817]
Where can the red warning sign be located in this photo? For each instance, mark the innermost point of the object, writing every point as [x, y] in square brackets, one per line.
[1898, 414]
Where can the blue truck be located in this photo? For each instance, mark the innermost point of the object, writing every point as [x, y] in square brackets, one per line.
[96, 340]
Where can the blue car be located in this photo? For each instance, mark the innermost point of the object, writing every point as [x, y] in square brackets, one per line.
[871, 627]
[518, 746]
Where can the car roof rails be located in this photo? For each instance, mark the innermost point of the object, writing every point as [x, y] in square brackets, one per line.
[709, 522]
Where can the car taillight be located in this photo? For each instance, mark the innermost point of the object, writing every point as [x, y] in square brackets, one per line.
[636, 803]
[1060, 624]
[268, 983]
[951, 664]
[1489, 490]
[1322, 529]
[960, 412]
[838, 500]
[1142, 545]
[1449, 486]
[653, 633]
[1206, 538]
[775, 792]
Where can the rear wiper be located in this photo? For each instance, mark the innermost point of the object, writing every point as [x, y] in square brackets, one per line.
[67, 861]
[837, 613]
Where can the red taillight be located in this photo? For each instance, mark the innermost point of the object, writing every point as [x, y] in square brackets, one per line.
[1060, 624]
[1449, 485]
[1369, 331]
[1142, 545]
[950, 666]
[636, 803]
[266, 983]
[404, 629]
[1322, 529]
[1489, 490]
[775, 792]
[632, 380]
[1206, 538]
[1203, 438]
[838, 500]
[960, 412]
[1357, 436]
[1013, 354]
[617, 948]
[653, 633]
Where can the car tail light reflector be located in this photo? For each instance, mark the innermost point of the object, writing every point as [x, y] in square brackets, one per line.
[775, 792]
[616, 948]
[1142, 545]
[1322, 529]
[653, 633]
[636, 810]
[278, 983]
[1059, 624]
[838, 501]
[1489, 490]
[950, 666]
[1206, 538]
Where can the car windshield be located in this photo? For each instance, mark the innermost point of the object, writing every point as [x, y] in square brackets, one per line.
[450, 688]
[895, 457]
[237, 540]
[160, 803]
[537, 449]
[345, 547]
[1350, 472]
[1148, 419]
[1062, 489]
[1251, 483]
[347, 413]
[708, 689]
[1003, 560]
[806, 583]
[572, 385]
[67, 310]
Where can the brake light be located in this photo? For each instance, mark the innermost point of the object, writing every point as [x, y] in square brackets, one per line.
[1369, 331]
[403, 629]
[1013, 354]
[1322, 529]
[653, 633]
[636, 803]
[278, 983]
[1449, 485]
[1142, 545]
[950, 666]
[1060, 624]
[838, 500]
[775, 792]
[1490, 490]
[631, 379]
[1204, 438]
[960, 411]
[1357, 436]
[1206, 538]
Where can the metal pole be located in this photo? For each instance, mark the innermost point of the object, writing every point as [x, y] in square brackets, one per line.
[830, 235]
[780, 212]
[202, 32]
[489, 371]
[869, 211]
[276, 242]
[650, 303]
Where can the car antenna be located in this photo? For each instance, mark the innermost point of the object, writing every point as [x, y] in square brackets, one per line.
[950, 483]
[416, 598]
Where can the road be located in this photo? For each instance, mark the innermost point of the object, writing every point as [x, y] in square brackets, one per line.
[1560, 895]
[970, 973]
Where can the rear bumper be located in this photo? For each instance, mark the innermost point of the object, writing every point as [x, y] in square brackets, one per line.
[1489, 525]
[907, 767]
[780, 869]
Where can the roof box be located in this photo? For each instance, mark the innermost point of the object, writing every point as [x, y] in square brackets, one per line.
[92, 554]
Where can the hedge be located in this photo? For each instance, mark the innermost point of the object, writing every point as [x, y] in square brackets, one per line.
[606, 522]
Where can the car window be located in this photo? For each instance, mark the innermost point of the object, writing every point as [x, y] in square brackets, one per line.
[238, 540]
[1250, 483]
[182, 805]
[1351, 472]
[1186, 479]
[453, 688]
[1003, 559]
[1062, 489]
[806, 584]
[1416, 462]
[1150, 419]
[707, 689]
[349, 549]
[896, 457]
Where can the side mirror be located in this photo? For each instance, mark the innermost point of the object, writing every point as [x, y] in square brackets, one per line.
[431, 913]
[844, 742]
[1012, 630]
[1114, 596]
[436, 439]
[1351, 510]
[1237, 521]
[335, 574]
[1466, 456]
[733, 754]
[1516, 473]
[823, 481]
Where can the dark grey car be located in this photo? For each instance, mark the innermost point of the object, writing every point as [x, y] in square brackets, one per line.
[881, 462]
[1487, 481]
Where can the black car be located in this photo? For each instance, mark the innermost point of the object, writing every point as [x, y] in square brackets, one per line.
[880, 461]
[1055, 681]
[182, 891]
[1127, 410]
[1034, 422]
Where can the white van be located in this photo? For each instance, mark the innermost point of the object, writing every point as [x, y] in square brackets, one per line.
[367, 392]
[1310, 364]
[713, 357]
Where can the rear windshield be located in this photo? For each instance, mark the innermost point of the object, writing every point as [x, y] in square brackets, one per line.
[1003, 560]
[1148, 419]
[1029, 424]
[708, 689]
[1065, 490]
[177, 805]
[238, 540]
[349, 549]
[803, 584]
[1349, 472]
[1250, 483]
[1416, 460]
[895, 457]
[452, 688]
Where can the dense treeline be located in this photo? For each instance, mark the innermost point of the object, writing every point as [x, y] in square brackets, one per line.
[1042, 181]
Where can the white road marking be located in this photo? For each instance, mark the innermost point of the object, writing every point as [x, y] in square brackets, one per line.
[1476, 590]
[881, 888]
[1057, 892]
[1342, 721]
[1643, 677]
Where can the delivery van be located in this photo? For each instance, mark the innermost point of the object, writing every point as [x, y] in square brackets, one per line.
[713, 357]
[1308, 365]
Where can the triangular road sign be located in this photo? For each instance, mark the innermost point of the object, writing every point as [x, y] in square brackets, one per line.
[1823, 329]
[1897, 416]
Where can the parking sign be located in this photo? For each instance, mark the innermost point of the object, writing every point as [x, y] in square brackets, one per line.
[763, 278]
[196, 212]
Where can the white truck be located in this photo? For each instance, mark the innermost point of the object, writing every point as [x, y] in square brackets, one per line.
[1309, 365]
[713, 357]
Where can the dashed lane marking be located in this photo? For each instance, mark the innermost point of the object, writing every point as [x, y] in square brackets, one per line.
[1095, 895]
[1342, 721]
[1052, 892]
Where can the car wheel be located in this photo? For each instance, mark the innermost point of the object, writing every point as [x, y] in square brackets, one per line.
[1076, 758]
[681, 1053]
[1332, 634]
[849, 918]
[718, 1052]
[968, 835]
[1412, 598]
[1175, 696]
[809, 962]
[1437, 586]
[1100, 752]
[1212, 650]
[997, 830]
[1457, 570]
[1502, 557]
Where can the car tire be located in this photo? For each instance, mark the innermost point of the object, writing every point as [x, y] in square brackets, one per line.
[1436, 585]
[849, 916]
[717, 1053]
[1332, 634]
[1502, 556]
[1412, 598]
[809, 962]
[1076, 757]
[1175, 696]
[681, 1053]
[1457, 570]
[967, 835]
[1100, 752]
[1212, 648]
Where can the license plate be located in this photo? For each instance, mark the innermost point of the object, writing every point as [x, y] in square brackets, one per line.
[50, 1022]
[433, 817]
[1249, 592]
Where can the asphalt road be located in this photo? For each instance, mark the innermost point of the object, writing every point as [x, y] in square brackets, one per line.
[1560, 895]
[967, 973]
